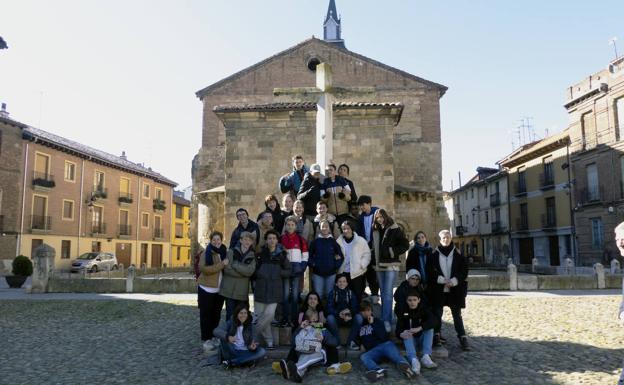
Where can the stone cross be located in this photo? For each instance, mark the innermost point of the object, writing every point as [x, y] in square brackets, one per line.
[324, 115]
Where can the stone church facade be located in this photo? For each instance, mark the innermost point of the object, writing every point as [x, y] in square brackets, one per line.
[387, 128]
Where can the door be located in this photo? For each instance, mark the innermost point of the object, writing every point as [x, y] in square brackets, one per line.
[526, 251]
[156, 255]
[553, 245]
[123, 251]
[97, 220]
[40, 208]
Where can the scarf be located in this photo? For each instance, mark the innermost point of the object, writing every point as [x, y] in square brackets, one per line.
[210, 251]
[446, 250]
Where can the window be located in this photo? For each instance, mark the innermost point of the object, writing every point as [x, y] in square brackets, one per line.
[619, 117]
[39, 218]
[65, 249]
[96, 246]
[471, 193]
[178, 253]
[487, 216]
[179, 230]
[146, 191]
[179, 212]
[42, 166]
[158, 193]
[124, 186]
[98, 181]
[497, 216]
[524, 217]
[68, 210]
[70, 171]
[145, 220]
[157, 221]
[486, 194]
[521, 180]
[548, 178]
[593, 191]
[551, 216]
[596, 226]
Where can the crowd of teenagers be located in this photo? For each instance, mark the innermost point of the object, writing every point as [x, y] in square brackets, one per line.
[345, 245]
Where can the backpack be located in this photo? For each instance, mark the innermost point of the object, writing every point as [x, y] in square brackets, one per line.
[196, 269]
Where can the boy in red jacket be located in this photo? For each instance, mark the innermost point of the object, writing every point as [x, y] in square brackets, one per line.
[297, 250]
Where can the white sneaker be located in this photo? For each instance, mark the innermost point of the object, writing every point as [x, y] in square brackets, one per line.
[354, 346]
[427, 362]
[208, 346]
[415, 366]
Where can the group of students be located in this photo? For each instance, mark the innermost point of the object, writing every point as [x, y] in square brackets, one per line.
[346, 245]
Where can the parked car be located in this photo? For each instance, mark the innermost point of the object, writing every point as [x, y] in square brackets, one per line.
[94, 262]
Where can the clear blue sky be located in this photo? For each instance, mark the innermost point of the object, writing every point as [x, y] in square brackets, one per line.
[121, 75]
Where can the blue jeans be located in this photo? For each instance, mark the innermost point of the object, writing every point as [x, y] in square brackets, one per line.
[387, 350]
[239, 357]
[322, 285]
[290, 304]
[386, 284]
[423, 342]
[333, 323]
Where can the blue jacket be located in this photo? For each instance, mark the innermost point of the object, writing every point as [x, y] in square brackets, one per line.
[374, 334]
[322, 256]
[252, 227]
[291, 182]
[340, 299]
[368, 237]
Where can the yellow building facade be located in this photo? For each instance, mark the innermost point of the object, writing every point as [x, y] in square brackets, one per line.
[180, 255]
[539, 195]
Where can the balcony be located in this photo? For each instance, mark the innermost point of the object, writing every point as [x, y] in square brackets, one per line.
[159, 205]
[460, 230]
[495, 200]
[125, 198]
[125, 230]
[159, 234]
[497, 227]
[43, 179]
[99, 192]
[549, 222]
[522, 224]
[520, 189]
[588, 196]
[98, 228]
[547, 181]
[40, 223]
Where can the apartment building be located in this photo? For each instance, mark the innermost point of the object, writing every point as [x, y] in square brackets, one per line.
[595, 108]
[79, 199]
[180, 236]
[540, 202]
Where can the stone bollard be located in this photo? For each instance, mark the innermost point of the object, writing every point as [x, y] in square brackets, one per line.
[509, 261]
[144, 267]
[121, 269]
[84, 273]
[108, 271]
[130, 279]
[534, 264]
[600, 275]
[512, 270]
[43, 265]
[164, 268]
[615, 266]
[569, 266]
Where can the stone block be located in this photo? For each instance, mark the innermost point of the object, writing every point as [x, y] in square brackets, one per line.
[501, 282]
[478, 283]
[527, 282]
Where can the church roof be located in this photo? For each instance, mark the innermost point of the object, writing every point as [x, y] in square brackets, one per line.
[331, 10]
[203, 92]
[305, 106]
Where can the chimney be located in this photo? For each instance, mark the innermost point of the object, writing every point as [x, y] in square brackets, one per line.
[123, 155]
[3, 112]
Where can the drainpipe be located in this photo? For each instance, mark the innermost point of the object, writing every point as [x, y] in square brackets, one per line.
[138, 223]
[572, 223]
[81, 203]
[511, 245]
[21, 230]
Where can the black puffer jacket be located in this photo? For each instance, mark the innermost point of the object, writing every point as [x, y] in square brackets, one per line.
[389, 245]
[310, 194]
[271, 267]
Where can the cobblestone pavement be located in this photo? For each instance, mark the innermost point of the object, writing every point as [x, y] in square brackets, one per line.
[516, 340]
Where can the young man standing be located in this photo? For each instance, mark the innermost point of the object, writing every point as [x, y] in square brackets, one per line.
[619, 241]
[310, 191]
[290, 183]
[367, 213]
[244, 225]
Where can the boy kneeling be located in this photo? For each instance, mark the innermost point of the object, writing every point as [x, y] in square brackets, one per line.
[415, 327]
[378, 346]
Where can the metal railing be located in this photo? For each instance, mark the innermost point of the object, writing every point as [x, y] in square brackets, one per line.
[159, 204]
[497, 227]
[43, 179]
[495, 200]
[159, 233]
[125, 229]
[591, 195]
[522, 224]
[547, 180]
[549, 221]
[99, 192]
[40, 222]
[98, 228]
[125, 197]
[520, 188]
[460, 230]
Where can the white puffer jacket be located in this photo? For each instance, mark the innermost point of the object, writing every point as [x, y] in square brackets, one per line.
[360, 258]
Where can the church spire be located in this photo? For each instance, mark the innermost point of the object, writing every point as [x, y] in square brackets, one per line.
[332, 26]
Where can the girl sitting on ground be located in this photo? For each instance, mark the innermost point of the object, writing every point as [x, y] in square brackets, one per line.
[238, 346]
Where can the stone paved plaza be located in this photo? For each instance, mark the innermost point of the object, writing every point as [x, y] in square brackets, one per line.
[524, 339]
